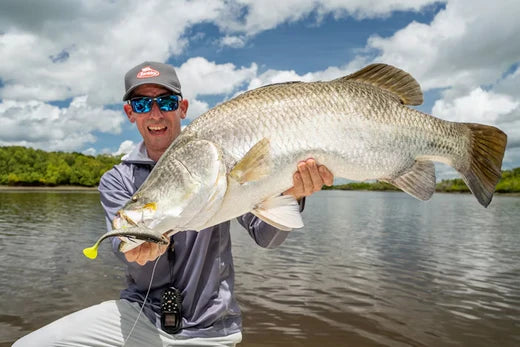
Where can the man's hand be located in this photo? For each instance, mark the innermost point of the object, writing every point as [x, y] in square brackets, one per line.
[309, 178]
[147, 251]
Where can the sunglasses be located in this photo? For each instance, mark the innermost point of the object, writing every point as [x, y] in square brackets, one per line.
[143, 104]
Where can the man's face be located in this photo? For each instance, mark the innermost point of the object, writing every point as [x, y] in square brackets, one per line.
[158, 128]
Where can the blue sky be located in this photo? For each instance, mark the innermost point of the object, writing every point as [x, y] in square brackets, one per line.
[61, 80]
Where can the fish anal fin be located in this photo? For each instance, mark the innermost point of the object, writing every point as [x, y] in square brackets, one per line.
[487, 149]
[282, 212]
[255, 165]
[419, 181]
[392, 79]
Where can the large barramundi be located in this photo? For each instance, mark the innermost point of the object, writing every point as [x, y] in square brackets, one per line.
[240, 156]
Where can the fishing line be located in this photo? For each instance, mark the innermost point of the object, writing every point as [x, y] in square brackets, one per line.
[144, 301]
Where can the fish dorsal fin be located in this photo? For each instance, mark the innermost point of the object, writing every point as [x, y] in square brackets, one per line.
[419, 181]
[390, 78]
[255, 164]
[282, 212]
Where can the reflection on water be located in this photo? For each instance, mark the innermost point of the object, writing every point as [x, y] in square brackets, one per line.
[368, 269]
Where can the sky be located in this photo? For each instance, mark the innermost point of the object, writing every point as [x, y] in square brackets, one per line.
[63, 62]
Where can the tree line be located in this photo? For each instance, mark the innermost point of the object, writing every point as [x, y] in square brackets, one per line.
[509, 183]
[22, 166]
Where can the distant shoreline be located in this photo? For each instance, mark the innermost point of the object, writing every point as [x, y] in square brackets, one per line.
[48, 188]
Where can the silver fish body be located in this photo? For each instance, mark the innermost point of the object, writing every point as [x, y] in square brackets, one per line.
[358, 126]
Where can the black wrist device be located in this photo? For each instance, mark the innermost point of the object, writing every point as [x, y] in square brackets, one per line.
[171, 310]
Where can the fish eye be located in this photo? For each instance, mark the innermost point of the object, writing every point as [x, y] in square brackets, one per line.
[134, 198]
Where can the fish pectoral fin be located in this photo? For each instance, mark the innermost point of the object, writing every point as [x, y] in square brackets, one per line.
[396, 81]
[282, 212]
[419, 181]
[255, 165]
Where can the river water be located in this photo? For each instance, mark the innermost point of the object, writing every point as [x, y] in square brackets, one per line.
[368, 269]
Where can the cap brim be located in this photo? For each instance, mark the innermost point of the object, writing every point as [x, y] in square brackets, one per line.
[129, 91]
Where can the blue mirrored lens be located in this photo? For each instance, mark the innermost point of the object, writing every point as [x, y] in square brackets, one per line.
[168, 103]
[165, 103]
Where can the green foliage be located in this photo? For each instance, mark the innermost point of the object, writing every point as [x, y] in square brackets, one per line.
[30, 167]
[363, 186]
[509, 183]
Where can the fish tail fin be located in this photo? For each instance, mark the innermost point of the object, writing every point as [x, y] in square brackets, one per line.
[486, 152]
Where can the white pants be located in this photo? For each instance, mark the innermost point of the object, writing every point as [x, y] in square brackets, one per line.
[108, 324]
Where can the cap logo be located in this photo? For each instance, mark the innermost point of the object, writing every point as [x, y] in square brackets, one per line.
[147, 72]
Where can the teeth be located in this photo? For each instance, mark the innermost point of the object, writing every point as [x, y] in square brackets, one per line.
[156, 128]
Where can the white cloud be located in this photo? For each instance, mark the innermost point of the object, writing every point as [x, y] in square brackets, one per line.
[55, 57]
[252, 16]
[90, 151]
[468, 44]
[233, 41]
[89, 65]
[125, 147]
[478, 106]
[41, 125]
[202, 77]
[278, 76]
[196, 108]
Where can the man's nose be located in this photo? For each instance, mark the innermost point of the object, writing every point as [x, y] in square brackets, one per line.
[155, 111]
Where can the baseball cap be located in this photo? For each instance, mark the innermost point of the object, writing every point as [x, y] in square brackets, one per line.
[154, 73]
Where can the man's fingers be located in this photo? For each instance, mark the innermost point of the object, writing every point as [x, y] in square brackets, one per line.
[146, 252]
[306, 178]
[326, 175]
[132, 254]
[317, 181]
[309, 178]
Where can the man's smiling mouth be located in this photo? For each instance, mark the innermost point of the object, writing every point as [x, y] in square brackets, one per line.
[157, 129]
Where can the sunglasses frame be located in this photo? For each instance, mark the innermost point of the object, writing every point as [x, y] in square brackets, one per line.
[158, 100]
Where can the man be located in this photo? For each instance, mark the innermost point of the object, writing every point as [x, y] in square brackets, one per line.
[198, 269]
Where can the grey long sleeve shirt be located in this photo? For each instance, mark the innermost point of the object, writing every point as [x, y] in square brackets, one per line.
[202, 268]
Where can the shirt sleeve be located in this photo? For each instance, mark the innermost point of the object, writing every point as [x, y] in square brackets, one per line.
[264, 234]
[113, 195]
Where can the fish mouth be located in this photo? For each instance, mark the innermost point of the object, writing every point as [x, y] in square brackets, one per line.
[133, 218]
[128, 219]
[122, 220]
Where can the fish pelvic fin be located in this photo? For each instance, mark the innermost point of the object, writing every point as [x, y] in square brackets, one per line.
[282, 212]
[419, 181]
[255, 165]
[486, 152]
[394, 80]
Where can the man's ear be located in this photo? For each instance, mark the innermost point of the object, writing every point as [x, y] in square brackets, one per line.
[129, 113]
[183, 107]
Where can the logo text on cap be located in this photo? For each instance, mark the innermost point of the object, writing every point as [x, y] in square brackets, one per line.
[147, 72]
